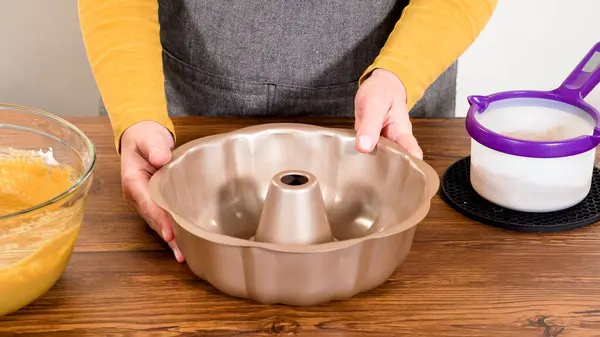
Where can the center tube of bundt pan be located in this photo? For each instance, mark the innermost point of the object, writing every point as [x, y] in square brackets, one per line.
[294, 211]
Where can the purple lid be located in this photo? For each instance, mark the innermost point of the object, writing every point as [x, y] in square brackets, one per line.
[572, 91]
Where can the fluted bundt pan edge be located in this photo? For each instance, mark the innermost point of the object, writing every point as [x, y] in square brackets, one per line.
[229, 194]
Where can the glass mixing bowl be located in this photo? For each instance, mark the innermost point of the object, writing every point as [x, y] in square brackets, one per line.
[46, 167]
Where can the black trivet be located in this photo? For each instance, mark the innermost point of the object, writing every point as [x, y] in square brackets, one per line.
[457, 192]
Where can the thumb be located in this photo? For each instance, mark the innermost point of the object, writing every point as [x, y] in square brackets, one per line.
[156, 147]
[159, 155]
[373, 113]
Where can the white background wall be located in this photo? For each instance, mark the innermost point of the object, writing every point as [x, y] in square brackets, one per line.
[42, 58]
[529, 44]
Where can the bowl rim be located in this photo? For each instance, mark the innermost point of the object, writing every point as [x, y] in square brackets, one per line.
[84, 177]
[430, 188]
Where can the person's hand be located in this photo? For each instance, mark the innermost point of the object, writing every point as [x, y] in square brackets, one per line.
[145, 147]
[380, 109]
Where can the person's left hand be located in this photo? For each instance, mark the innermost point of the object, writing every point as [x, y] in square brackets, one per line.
[380, 109]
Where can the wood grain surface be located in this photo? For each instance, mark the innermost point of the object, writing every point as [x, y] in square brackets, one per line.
[461, 278]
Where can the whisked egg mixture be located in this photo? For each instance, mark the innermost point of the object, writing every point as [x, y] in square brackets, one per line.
[35, 246]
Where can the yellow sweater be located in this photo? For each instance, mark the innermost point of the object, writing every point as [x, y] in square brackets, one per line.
[123, 46]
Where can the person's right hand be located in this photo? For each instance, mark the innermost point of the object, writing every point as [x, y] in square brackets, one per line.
[146, 147]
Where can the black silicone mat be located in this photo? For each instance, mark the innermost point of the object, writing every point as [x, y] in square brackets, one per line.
[457, 191]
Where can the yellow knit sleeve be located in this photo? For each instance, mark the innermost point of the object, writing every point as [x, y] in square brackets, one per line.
[122, 41]
[428, 38]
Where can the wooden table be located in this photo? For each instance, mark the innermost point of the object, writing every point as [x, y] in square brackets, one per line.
[461, 278]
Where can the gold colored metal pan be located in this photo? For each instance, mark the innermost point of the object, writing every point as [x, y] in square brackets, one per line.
[293, 213]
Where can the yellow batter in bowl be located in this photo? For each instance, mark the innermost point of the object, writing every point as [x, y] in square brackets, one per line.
[42, 203]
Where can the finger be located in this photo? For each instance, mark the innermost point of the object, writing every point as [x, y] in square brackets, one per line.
[176, 251]
[399, 130]
[157, 218]
[372, 112]
[404, 139]
[357, 119]
[135, 175]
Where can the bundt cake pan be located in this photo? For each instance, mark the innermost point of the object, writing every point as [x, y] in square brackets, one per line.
[293, 213]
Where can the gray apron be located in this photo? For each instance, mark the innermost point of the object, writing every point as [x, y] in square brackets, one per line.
[278, 57]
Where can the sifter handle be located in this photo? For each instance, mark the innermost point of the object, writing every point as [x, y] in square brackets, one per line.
[584, 78]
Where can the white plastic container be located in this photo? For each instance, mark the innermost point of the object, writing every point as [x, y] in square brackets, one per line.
[534, 151]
